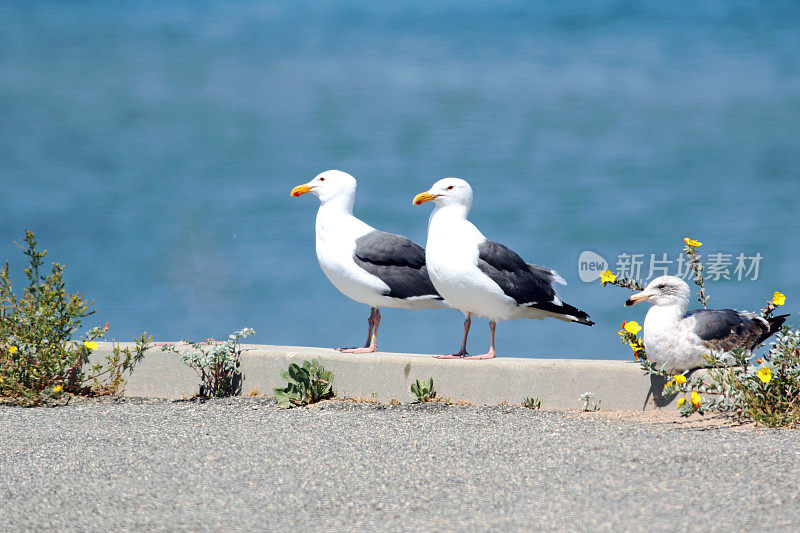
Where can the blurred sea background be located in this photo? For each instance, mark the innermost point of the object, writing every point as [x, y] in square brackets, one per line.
[151, 147]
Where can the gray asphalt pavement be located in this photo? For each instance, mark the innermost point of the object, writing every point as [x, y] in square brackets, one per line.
[243, 464]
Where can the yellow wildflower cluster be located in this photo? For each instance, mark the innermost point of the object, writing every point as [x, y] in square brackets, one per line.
[765, 374]
[12, 349]
[628, 334]
[92, 345]
[607, 277]
[696, 399]
[692, 243]
[632, 327]
[677, 379]
[778, 299]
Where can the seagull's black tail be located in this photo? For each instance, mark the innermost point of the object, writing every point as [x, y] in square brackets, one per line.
[775, 324]
[578, 316]
[564, 311]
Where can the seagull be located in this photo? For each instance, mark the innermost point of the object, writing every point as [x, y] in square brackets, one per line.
[676, 340]
[369, 266]
[480, 277]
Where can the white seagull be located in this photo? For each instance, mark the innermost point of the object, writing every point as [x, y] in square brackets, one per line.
[372, 267]
[481, 277]
[676, 340]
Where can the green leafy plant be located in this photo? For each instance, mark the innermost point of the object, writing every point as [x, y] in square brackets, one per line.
[217, 363]
[690, 249]
[531, 403]
[39, 360]
[766, 393]
[423, 391]
[307, 384]
[589, 404]
[108, 377]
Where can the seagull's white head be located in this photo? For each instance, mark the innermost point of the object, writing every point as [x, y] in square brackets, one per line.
[663, 290]
[447, 191]
[329, 185]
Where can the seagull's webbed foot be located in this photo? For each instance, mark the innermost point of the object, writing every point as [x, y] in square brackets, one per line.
[459, 355]
[365, 349]
[463, 351]
[372, 334]
[489, 355]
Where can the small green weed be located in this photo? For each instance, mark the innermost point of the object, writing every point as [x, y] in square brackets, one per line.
[307, 384]
[217, 363]
[531, 403]
[423, 391]
[589, 404]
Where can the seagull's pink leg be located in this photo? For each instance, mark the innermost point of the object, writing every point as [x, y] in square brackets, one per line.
[463, 351]
[371, 323]
[490, 353]
[372, 334]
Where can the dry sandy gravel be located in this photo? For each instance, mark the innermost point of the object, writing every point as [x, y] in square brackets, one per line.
[243, 464]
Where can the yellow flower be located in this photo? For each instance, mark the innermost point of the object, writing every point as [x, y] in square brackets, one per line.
[608, 277]
[632, 327]
[681, 401]
[668, 384]
[691, 242]
[765, 374]
[12, 349]
[92, 345]
[57, 389]
[680, 379]
[696, 399]
[778, 299]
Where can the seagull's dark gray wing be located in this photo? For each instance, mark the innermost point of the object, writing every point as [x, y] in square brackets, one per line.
[724, 330]
[528, 285]
[517, 279]
[398, 262]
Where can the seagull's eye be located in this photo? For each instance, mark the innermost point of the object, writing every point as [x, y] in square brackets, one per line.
[322, 179]
[450, 188]
[661, 287]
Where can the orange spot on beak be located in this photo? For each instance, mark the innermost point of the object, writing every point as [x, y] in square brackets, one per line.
[301, 189]
[423, 197]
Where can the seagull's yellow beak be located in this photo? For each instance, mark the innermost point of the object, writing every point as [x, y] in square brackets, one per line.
[301, 189]
[423, 197]
[636, 298]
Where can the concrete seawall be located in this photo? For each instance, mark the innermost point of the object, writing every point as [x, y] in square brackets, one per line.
[558, 383]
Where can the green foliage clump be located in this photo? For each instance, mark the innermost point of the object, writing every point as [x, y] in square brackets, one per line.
[532, 402]
[423, 391]
[767, 393]
[307, 384]
[588, 401]
[217, 363]
[39, 360]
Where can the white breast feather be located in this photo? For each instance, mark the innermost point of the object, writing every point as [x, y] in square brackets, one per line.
[336, 244]
[452, 258]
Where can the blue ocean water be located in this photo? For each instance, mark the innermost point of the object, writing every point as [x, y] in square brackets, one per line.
[151, 147]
